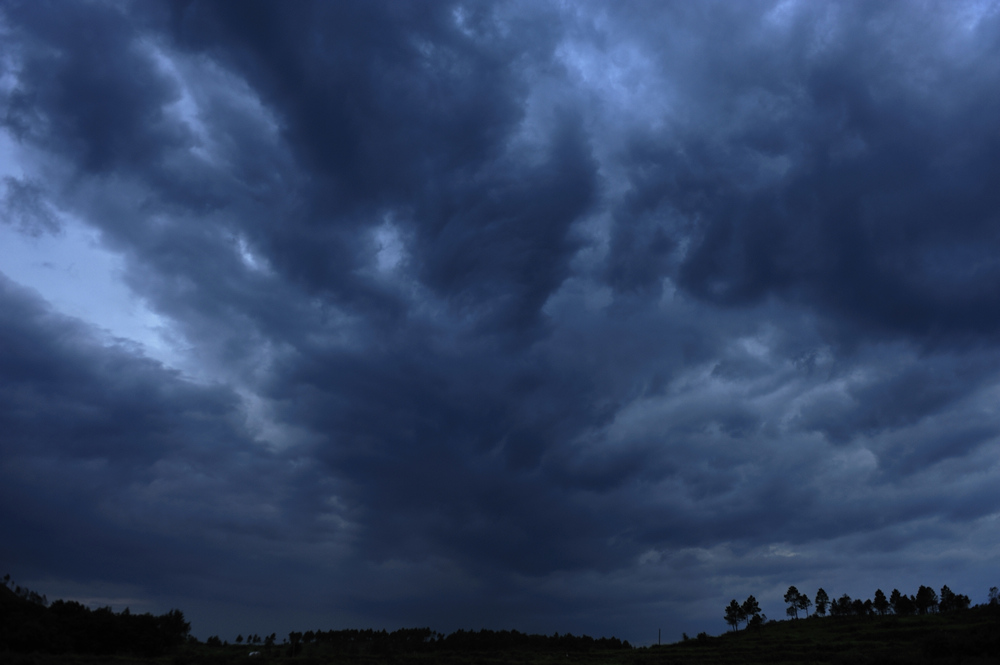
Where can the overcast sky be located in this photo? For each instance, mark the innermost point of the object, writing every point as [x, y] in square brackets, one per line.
[570, 316]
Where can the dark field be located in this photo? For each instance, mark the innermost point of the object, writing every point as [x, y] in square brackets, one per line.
[971, 636]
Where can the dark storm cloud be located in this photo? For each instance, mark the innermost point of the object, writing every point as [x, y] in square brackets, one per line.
[117, 469]
[503, 312]
[407, 108]
[87, 90]
[84, 426]
[879, 205]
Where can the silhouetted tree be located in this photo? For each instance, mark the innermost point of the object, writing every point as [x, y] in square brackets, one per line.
[842, 607]
[173, 627]
[822, 600]
[803, 603]
[926, 600]
[894, 600]
[994, 597]
[750, 609]
[881, 603]
[946, 602]
[792, 598]
[902, 604]
[734, 614]
[293, 639]
[951, 601]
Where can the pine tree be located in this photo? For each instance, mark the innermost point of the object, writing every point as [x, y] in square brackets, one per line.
[822, 600]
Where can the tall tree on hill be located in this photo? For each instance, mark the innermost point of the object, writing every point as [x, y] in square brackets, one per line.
[803, 603]
[734, 614]
[946, 603]
[881, 604]
[293, 639]
[842, 607]
[894, 599]
[906, 605]
[750, 609]
[951, 601]
[792, 598]
[822, 600]
[926, 600]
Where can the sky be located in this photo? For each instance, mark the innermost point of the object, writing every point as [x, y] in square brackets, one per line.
[576, 317]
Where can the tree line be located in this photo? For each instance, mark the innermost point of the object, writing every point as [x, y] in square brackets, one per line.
[29, 623]
[925, 601]
[413, 640]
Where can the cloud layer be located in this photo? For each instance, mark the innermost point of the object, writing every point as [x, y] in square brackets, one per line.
[501, 315]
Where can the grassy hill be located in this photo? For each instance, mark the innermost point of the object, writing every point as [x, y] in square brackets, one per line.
[971, 636]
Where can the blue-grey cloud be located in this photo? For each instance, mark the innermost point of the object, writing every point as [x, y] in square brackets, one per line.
[528, 316]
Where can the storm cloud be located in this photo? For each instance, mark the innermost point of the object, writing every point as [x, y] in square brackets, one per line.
[579, 317]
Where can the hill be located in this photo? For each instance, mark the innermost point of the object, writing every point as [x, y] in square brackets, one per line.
[970, 636]
[29, 625]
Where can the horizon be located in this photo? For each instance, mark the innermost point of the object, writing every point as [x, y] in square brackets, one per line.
[746, 613]
[557, 317]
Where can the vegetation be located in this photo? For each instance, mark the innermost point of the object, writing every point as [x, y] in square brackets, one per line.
[970, 637]
[921, 628]
[29, 624]
[926, 627]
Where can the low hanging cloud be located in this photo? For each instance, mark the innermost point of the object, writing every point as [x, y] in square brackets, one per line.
[503, 315]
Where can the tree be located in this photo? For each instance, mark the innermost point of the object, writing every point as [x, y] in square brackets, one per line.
[294, 638]
[894, 599]
[750, 609]
[822, 600]
[947, 600]
[792, 598]
[881, 604]
[994, 596]
[173, 627]
[842, 607]
[734, 614]
[803, 603]
[904, 605]
[951, 601]
[926, 600]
